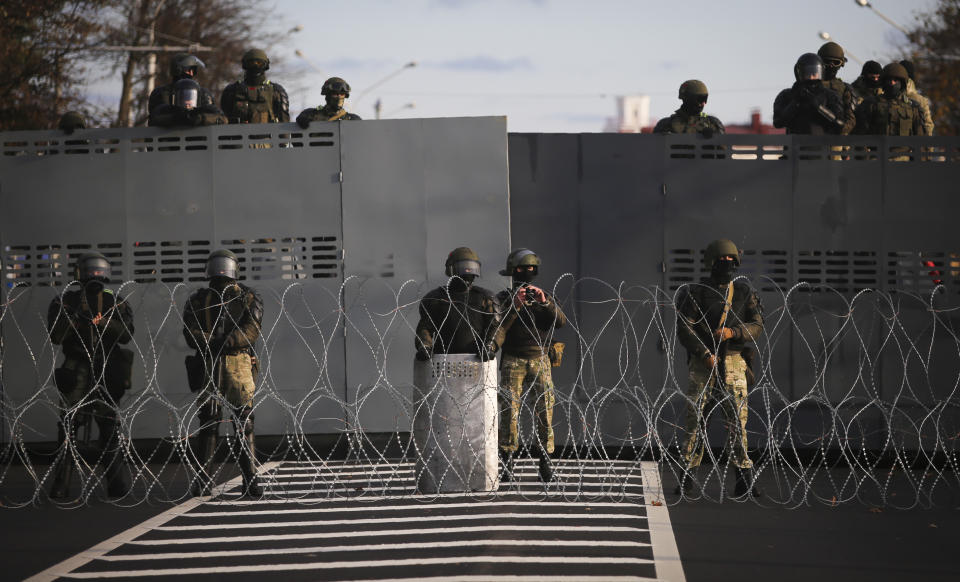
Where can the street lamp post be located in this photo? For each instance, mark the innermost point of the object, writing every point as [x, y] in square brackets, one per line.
[890, 21]
[363, 93]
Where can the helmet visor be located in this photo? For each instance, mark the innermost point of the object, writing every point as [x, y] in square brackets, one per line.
[808, 71]
[187, 97]
[337, 87]
[222, 267]
[465, 267]
[94, 268]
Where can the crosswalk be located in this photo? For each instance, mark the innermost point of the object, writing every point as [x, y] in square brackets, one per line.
[601, 520]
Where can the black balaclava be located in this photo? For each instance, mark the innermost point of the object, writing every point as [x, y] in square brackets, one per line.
[523, 277]
[460, 283]
[694, 104]
[723, 271]
[892, 88]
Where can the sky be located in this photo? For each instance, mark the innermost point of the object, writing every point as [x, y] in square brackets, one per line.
[558, 65]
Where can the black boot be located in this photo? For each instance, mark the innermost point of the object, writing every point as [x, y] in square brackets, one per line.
[248, 455]
[546, 467]
[206, 449]
[746, 483]
[111, 456]
[63, 467]
[506, 468]
[687, 485]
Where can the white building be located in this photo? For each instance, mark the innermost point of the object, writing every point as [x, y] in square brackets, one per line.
[633, 114]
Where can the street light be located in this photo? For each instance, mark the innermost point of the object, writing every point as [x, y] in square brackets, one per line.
[826, 36]
[310, 64]
[379, 105]
[409, 65]
[890, 21]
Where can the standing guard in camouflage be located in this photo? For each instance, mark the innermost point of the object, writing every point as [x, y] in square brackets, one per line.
[868, 83]
[182, 66]
[336, 91]
[91, 323]
[833, 60]
[809, 107]
[254, 99]
[892, 113]
[715, 321]
[459, 317]
[921, 100]
[222, 322]
[690, 118]
[531, 316]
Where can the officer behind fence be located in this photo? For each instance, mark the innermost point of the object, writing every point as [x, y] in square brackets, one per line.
[530, 317]
[91, 322]
[690, 118]
[71, 121]
[254, 99]
[868, 83]
[921, 100]
[459, 317]
[222, 322]
[809, 107]
[831, 54]
[892, 112]
[186, 109]
[715, 322]
[336, 91]
[182, 66]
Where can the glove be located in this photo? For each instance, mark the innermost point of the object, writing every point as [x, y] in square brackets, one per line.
[303, 121]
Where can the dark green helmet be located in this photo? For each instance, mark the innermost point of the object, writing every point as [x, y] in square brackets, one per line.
[692, 88]
[831, 51]
[896, 71]
[462, 261]
[335, 85]
[720, 248]
[255, 59]
[72, 120]
[92, 266]
[222, 263]
[520, 258]
[185, 65]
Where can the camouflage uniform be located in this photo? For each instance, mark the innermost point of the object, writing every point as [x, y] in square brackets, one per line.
[457, 320]
[923, 104]
[325, 113]
[222, 322]
[848, 99]
[699, 312]
[525, 338]
[263, 103]
[683, 122]
[893, 116]
[94, 375]
[863, 90]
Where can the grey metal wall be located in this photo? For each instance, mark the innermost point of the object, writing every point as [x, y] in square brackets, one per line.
[635, 211]
[327, 222]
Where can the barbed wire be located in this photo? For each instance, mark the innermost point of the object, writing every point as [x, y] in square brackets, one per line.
[855, 400]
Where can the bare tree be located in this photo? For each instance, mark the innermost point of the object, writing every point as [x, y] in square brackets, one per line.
[935, 50]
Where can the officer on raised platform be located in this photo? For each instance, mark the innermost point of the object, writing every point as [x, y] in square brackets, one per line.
[336, 91]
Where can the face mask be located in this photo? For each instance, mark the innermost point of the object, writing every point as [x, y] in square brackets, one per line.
[723, 271]
[892, 90]
[523, 277]
[830, 72]
[254, 76]
[335, 101]
[693, 106]
[461, 283]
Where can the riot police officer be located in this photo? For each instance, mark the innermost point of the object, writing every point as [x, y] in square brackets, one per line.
[182, 66]
[530, 316]
[459, 317]
[833, 59]
[690, 118]
[254, 99]
[809, 106]
[222, 323]
[893, 112]
[716, 320]
[91, 322]
[186, 109]
[336, 91]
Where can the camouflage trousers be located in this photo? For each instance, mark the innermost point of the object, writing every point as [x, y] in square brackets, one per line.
[705, 396]
[517, 376]
[232, 379]
[80, 394]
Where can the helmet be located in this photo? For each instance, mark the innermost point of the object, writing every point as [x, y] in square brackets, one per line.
[72, 120]
[255, 59]
[462, 261]
[896, 71]
[92, 266]
[183, 65]
[721, 247]
[832, 51]
[186, 94]
[521, 258]
[335, 85]
[809, 66]
[692, 88]
[871, 68]
[222, 263]
[911, 70]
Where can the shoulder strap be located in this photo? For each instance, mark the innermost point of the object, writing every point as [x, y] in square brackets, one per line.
[208, 319]
[727, 304]
[338, 115]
